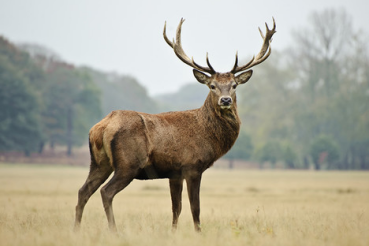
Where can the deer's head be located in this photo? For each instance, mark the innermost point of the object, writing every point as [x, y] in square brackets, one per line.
[222, 85]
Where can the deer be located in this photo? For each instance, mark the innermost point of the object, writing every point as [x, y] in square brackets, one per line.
[174, 145]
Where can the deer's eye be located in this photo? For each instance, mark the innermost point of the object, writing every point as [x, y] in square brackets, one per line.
[234, 86]
[212, 87]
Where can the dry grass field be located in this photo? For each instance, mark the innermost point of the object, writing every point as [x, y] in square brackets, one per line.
[238, 207]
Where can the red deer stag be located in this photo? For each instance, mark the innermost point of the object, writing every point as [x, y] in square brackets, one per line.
[174, 145]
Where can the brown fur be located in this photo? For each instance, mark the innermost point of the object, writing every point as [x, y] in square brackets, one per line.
[175, 145]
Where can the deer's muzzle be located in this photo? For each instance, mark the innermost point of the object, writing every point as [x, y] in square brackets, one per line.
[225, 102]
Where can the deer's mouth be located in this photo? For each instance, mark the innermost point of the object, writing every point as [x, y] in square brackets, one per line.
[225, 102]
[225, 105]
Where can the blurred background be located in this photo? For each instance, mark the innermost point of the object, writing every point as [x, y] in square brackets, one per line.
[64, 65]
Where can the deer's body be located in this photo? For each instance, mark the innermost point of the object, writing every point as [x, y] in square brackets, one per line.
[164, 145]
[176, 145]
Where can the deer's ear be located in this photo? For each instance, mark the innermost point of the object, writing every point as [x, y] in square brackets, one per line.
[243, 77]
[201, 77]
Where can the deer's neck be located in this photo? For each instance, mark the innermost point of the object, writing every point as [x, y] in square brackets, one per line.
[223, 124]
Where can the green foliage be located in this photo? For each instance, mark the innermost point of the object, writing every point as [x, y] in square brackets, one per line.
[289, 156]
[323, 150]
[320, 87]
[265, 100]
[242, 149]
[121, 92]
[72, 104]
[20, 125]
[270, 152]
[332, 60]
[43, 100]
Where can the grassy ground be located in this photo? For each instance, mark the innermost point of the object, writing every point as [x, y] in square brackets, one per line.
[238, 207]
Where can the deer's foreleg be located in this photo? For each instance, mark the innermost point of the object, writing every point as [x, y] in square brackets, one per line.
[193, 189]
[176, 186]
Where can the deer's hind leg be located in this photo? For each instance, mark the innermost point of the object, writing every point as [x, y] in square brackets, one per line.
[119, 181]
[96, 177]
[127, 160]
[129, 154]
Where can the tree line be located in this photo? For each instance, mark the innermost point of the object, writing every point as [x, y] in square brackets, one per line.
[308, 106]
[305, 107]
[45, 100]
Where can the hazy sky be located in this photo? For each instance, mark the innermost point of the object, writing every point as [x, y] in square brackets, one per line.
[126, 36]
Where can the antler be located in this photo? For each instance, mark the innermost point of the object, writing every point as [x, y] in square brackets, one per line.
[261, 56]
[177, 47]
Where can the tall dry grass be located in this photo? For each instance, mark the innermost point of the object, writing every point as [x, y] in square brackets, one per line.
[237, 208]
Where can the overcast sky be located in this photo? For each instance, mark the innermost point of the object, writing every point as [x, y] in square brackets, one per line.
[126, 36]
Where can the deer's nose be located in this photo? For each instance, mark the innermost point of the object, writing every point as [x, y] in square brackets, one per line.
[226, 101]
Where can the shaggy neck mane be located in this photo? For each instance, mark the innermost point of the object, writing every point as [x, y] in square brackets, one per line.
[224, 124]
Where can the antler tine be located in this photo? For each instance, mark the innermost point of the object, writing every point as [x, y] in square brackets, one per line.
[165, 35]
[261, 32]
[178, 50]
[264, 53]
[236, 61]
[208, 62]
[235, 67]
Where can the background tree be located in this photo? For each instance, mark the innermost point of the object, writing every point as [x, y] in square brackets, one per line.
[241, 150]
[270, 152]
[119, 92]
[72, 105]
[20, 123]
[289, 156]
[268, 101]
[323, 150]
[331, 59]
[189, 96]
[70, 100]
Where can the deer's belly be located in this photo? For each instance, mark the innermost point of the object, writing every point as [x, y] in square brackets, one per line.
[151, 172]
